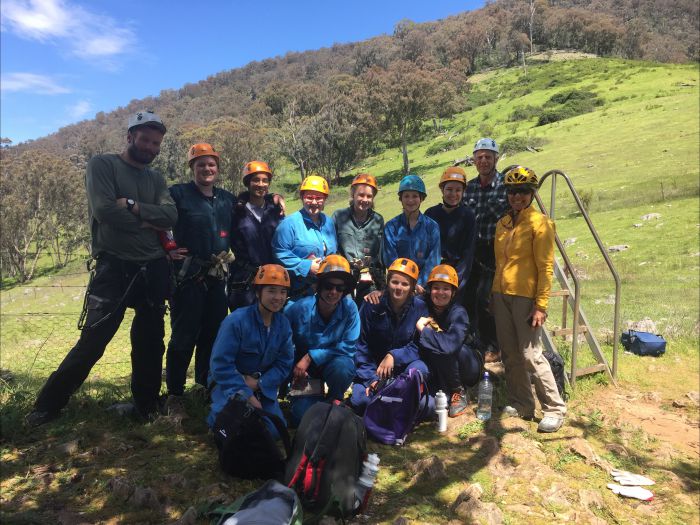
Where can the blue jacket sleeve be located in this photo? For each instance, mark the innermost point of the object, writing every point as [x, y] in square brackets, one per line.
[389, 254]
[404, 355]
[223, 360]
[283, 249]
[434, 255]
[272, 378]
[448, 341]
[345, 344]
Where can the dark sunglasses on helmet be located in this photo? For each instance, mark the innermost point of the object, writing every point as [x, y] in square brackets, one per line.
[522, 190]
[340, 288]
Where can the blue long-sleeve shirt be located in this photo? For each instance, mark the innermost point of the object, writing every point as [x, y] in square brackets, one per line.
[383, 332]
[321, 340]
[296, 239]
[457, 239]
[245, 346]
[420, 244]
[454, 324]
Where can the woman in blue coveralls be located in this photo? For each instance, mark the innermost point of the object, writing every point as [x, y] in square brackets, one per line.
[457, 224]
[253, 353]
[453, 365]
[303, 239]
[387, 344]
[255, 219]
[412, 235]
[325, 329]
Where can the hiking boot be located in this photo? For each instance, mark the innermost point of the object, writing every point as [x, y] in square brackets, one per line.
[509, 411]
[550, 424]
[38, 417]
[459, 403]
[492, 357]
[175, 406]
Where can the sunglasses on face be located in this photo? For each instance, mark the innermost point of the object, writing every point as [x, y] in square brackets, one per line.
[340, 288]
[518, 191]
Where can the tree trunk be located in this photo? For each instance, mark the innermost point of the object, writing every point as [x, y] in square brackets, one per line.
[404, 151]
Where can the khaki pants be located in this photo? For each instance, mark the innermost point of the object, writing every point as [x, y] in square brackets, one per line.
[521, 350]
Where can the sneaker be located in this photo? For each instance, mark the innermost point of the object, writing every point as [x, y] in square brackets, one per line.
[459, 403]
[509, 411]
[175, 406]
[122, 409]
[550, 424]
[38, 417]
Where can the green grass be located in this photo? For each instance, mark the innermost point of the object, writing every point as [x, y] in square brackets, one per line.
[644, 135]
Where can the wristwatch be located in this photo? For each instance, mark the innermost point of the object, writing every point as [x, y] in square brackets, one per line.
[130, 203]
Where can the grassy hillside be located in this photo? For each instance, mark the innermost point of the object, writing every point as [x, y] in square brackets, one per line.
[643, 135]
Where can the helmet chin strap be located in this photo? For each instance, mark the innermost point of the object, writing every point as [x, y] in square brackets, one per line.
[449, 205]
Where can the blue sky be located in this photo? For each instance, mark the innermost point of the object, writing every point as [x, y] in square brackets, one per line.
[62, 61]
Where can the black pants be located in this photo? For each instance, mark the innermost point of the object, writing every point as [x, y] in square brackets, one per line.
[478, 296]
[449, 372]
[197, 309]
[107, 304]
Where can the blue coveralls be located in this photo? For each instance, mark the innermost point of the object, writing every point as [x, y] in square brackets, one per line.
[457, 237]
[331, 345]
[296, 242]
[452, 363]
[383, 332]
[421, 245]
[251, 243]
[245, 346]
[199, 303]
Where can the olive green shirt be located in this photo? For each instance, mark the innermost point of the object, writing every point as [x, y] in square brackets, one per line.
[359, 240]
[116, 230]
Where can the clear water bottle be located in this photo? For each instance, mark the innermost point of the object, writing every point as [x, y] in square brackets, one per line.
[483, 409]
[441, 410]
[363, 488]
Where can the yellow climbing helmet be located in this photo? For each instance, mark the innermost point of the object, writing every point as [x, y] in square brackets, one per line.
[406, 267]
[315, 183]
[521, 176]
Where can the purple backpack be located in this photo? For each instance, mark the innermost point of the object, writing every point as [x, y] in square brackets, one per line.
[397, 407]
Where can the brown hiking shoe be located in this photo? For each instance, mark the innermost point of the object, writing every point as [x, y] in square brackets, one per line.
[492, 357]
[459, 403]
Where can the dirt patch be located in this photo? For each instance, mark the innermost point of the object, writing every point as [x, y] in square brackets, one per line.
[645, 411]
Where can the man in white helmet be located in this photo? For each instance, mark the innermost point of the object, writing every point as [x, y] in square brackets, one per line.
[128, 204]
[486, 195]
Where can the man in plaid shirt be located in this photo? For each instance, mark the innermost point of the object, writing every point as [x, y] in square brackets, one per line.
[486, 195]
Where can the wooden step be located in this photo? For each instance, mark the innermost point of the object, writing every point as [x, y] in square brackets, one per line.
[560, 293]
[600, 367]
[568, 331]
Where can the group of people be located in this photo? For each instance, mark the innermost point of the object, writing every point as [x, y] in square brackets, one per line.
[318, 304]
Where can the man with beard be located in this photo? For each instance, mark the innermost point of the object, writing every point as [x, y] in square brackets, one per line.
[128, 204]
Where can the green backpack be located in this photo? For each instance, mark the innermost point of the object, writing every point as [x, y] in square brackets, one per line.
[271, 504]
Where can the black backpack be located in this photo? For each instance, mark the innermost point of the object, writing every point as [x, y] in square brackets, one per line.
[326, 461]
[556, 363]
[246, 446]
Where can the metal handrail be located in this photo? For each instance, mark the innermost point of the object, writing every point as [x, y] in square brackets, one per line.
[604, 253]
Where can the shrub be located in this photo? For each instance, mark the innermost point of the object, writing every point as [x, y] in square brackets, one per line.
[524, 113]
[442, 145]
[515, 144]
[571, 103]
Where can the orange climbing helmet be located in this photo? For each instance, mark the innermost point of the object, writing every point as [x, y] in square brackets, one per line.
[253, 167]
[453, 174]
[272, 274]
[365, 178]
[406, 267]
[336, 266]
[444, 273]
[201, 150]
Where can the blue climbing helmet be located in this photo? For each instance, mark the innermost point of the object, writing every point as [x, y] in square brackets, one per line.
[412, 183]
[487, 144]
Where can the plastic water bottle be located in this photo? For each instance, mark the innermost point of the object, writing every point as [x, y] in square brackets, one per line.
[441, 410]
[483, 410]
[363, 488]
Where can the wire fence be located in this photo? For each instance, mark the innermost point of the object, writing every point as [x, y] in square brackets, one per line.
[38, 327]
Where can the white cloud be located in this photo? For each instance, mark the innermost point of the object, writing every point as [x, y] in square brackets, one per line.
[80, 109]
[85, 34]
[32, 83]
